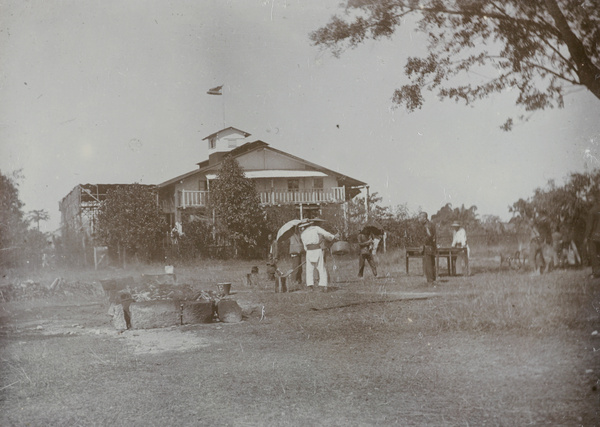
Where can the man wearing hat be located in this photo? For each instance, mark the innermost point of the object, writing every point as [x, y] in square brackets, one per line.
[459, 240]
[312, 236]
[429, 247]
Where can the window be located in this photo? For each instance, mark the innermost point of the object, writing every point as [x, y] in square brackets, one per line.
[293, 185]
[318, 183]
[212, 143]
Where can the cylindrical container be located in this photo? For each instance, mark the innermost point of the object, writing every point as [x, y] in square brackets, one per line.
[224, 288]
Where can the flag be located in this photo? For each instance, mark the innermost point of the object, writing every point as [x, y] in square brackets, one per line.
[215, 90]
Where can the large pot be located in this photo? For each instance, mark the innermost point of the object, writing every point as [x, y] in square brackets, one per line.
[340, 248]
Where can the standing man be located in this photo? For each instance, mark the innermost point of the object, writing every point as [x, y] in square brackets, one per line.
[366, 253]
[312, 236]
[592, 236]
[429, 247]
[557, 248]
[536, 254]
[296, 251]
[459, 240]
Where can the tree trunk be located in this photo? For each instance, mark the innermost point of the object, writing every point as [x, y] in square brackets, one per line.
[588, 73]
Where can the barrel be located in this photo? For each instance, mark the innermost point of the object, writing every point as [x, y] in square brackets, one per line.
[340, 248]
[224, 288]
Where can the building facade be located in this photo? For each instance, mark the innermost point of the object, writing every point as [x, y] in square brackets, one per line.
[280, 178]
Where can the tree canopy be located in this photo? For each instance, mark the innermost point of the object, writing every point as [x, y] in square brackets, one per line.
[37, 216]
[538, 49]
[129, 221]
[447, 215]
[563, 207]
[12, 221]
[19, 245]
[237, 206]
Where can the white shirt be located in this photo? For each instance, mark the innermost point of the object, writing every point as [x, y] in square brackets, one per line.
[312, 235]
[460, 238]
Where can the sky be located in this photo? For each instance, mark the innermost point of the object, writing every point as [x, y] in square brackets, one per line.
[115, 92]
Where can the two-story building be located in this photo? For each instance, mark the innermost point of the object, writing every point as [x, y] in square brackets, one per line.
[280, 178]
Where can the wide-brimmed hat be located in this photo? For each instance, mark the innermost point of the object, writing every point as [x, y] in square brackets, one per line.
[309, 221]
[455, 224]
[304, 223]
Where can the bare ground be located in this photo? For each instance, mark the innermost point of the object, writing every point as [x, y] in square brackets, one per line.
[362, 355]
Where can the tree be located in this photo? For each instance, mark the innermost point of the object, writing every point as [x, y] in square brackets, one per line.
[466, 216]
[400, 225]
[12, 223]
[237, 207]
[129, 221]
[18, 244]
[37, 216]
[562, 207]
[197, 234]
[538, 48]
[493, 228]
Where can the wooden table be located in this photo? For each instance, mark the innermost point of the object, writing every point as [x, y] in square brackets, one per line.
[450, 254]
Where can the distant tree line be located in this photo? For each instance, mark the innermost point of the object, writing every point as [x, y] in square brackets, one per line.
[562, 208]
[20, 244]
[132, 226]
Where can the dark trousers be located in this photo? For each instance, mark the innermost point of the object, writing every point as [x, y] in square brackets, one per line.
[429, 263]
[297, 266]
[594, 253]
[536, 256]
[361, 264]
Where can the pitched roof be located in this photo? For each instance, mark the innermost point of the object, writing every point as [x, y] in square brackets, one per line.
[345, 178]
[238, 151]
[256, 145]
[246, 134]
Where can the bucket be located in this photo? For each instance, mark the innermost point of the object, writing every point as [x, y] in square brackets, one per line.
[340, 248]
[224, 288]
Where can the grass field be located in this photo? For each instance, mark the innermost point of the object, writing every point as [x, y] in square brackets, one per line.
[496, 348]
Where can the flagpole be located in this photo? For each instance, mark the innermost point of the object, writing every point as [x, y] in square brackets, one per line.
[223, 104]
[219, 91]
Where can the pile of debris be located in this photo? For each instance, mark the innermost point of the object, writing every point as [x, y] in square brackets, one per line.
[154, 303]
[30, 290]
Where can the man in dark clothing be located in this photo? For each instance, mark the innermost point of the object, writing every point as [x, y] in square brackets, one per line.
[366, 245]
[536, 253]
[296, 251]
[557, 248]
[592, 235]
[429, 247]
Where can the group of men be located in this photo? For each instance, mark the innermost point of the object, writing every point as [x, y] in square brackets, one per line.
[308, 240]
